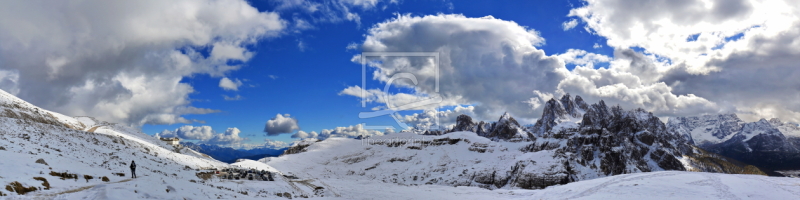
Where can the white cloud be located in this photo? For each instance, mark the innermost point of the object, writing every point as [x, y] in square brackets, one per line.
[418, 101]
[349, 132]
[205, 134]
[343, 132]
[228, 84]
[9, 81]
[569, 24]
[352, 46]
[328, 11]
[230, 136]
[597, 45]
[583, 58]
[301, 45]
[190, 132]
[494, 65]
[302, 134]
[281, 124]
[124, 63]
[233, 98]
[729, 52]
[430, 118]
[275, 144]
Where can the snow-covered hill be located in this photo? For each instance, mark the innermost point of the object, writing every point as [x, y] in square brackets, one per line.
[63, 157]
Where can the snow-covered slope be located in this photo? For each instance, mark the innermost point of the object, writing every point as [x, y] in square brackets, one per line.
[606, 142]
[39, 147]
[676, 185]
[405, 166]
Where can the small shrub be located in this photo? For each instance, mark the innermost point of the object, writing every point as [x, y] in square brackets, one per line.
[18, 188]
[204, 175]
[104, 179]
[2, 148]
[45, 183]
[41, 161]
[87, 177]
[64, 175]
[120, 174]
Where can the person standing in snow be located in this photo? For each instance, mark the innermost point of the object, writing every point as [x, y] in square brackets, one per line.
[133, 169]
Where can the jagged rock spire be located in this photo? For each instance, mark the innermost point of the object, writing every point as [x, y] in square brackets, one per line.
[463, 123]
[569, 106]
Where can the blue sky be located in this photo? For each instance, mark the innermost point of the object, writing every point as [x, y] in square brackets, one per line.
[309, 80]
[219, 71]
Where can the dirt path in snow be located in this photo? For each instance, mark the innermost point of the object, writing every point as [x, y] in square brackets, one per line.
[51, 195]
[91, 130]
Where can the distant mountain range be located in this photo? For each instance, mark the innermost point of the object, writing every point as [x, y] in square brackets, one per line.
[768, 144]
[230, 155]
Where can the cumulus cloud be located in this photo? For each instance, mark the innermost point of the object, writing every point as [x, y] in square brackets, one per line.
[729, 52]
[281, 124]
[124, 63]
[228, 84]
[205, 134]
[494, 65]
[189, 132]
[230, 136]
[302, 134]
[481, 60]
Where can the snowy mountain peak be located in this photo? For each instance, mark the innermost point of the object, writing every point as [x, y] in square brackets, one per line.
[707, 129]
[556, 112]
[464, 123]
[505, 117]
[597, 115]
[750, 130]
[570, 107]
[775, 122]
[580, 103]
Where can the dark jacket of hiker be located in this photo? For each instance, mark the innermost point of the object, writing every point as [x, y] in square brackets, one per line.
[133, 169]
